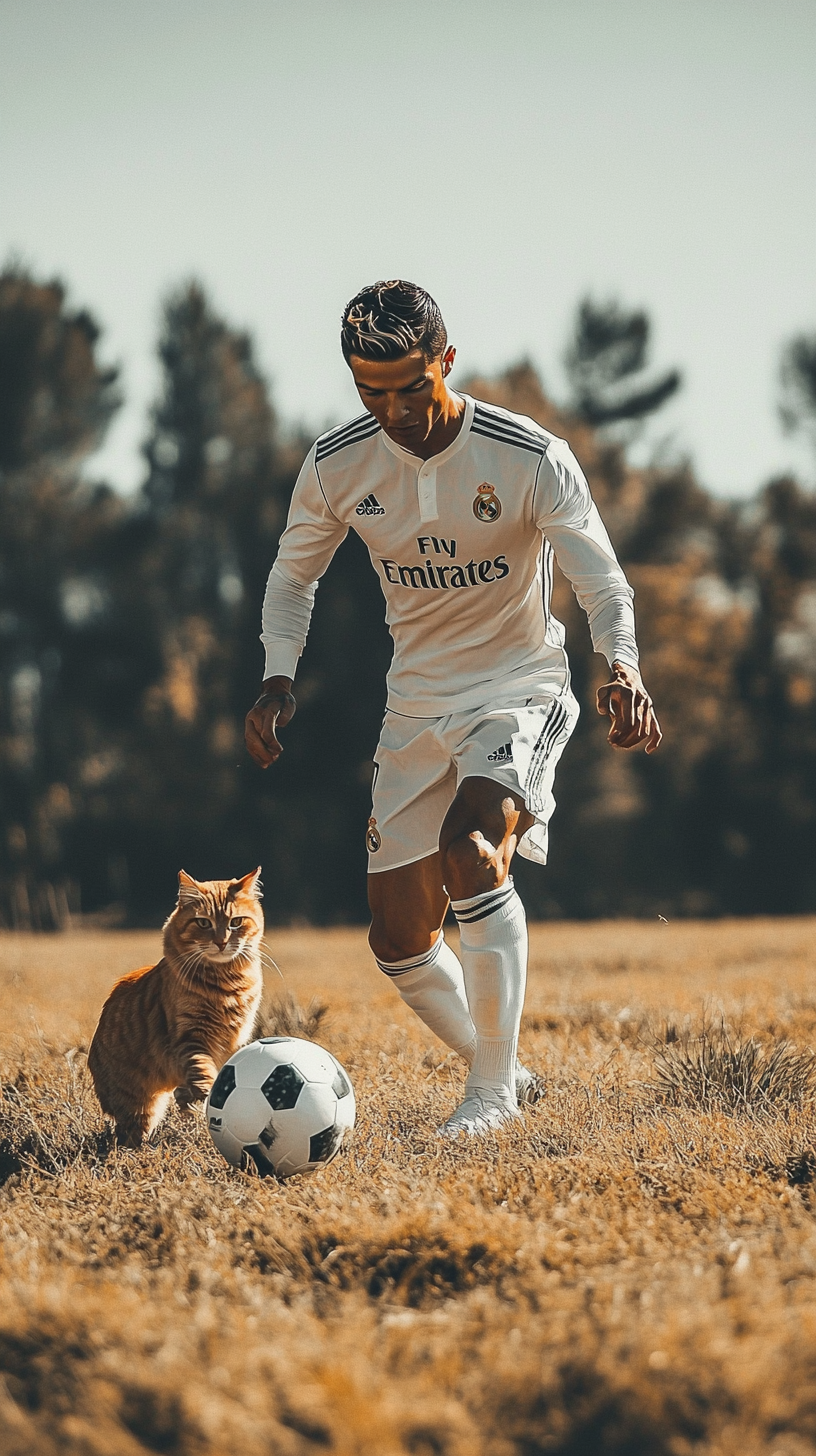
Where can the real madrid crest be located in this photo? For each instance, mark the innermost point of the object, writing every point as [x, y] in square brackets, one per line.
[373, 837]
[487, 506]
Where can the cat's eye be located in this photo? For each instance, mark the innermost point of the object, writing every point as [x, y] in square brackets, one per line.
[236, 922]
[203, 922]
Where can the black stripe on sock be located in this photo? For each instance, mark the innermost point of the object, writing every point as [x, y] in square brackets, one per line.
[488, 910]
[414, 966]
[481, 900]
[478, 912]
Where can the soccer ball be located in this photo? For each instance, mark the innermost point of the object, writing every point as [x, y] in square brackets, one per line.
[284, 1102]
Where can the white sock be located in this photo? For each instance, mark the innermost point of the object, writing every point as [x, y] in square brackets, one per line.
[433, 986]
[493, 930]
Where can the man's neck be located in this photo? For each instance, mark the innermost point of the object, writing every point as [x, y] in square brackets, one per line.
[444, 429]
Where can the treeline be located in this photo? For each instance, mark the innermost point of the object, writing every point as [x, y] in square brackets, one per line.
[129, 647]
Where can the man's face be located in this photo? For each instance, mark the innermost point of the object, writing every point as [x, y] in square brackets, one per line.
[406, 396]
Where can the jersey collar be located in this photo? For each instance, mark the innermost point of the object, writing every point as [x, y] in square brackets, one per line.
[444, 455]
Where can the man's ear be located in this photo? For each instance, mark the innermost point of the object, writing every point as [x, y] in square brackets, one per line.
[447, 360]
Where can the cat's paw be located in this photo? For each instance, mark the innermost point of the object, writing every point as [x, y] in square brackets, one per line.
[187, 1098]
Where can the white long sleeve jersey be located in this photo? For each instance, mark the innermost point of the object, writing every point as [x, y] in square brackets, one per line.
[463, 546]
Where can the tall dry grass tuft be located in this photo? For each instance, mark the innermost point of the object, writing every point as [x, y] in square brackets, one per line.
[46, 1123]
[284, 1016]
[717, 1069]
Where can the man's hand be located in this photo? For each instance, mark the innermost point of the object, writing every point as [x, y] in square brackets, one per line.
[273, 710]
[626, 701]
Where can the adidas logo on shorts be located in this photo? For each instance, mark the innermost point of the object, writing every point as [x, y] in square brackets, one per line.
[370, 507]
[502, 755]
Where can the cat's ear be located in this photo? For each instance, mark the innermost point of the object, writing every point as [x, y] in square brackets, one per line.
[249, 884]
[188, 887]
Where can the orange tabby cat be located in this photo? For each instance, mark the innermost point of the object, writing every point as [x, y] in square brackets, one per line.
[169, 1027]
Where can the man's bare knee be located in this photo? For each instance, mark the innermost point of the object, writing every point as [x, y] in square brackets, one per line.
[408, 906]
[398, 943]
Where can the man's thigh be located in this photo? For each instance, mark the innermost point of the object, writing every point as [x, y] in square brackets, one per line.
[415, 781]
[408, 906]
[486, 807]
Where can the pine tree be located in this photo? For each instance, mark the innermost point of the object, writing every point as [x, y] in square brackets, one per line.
[798, 378]
[605, 363]
[56, 401]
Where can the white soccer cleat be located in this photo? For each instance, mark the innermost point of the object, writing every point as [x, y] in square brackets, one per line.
[483, 1110]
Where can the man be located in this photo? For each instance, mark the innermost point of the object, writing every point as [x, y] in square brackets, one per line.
[461, 505]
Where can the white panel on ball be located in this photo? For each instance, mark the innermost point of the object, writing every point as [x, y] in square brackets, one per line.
[248, 1113]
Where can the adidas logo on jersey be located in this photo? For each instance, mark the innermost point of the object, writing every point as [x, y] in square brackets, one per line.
[502, 755]
[370, 507]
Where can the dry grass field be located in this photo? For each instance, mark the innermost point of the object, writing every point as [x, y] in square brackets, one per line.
[631, 1270]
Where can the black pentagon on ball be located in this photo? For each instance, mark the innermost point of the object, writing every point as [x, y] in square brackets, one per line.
[255, 1152]
[325, 1145]
[282, 1087]
[222, 1086]
[267, 1137]
[340, 1085]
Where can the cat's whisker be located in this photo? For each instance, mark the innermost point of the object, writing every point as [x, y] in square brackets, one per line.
[268, 961]
[188, 966]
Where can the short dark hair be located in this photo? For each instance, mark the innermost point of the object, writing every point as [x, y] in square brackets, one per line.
[388, 320]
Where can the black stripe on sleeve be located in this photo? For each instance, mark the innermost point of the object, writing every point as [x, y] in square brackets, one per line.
[494, 420]
[505, 437]
[352, 434]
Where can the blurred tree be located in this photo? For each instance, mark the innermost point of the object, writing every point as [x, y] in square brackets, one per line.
[56, 401]
[798, 378]
[772, 795]
[605, 362]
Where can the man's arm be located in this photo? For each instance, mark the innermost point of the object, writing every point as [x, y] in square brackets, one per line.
[567, 514]
[313, 534]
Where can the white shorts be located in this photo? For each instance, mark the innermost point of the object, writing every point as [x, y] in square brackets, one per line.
[420, 763]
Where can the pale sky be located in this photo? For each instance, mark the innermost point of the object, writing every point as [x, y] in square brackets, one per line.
[508, 156]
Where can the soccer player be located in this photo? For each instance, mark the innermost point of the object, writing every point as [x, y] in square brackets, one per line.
[462, 506]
